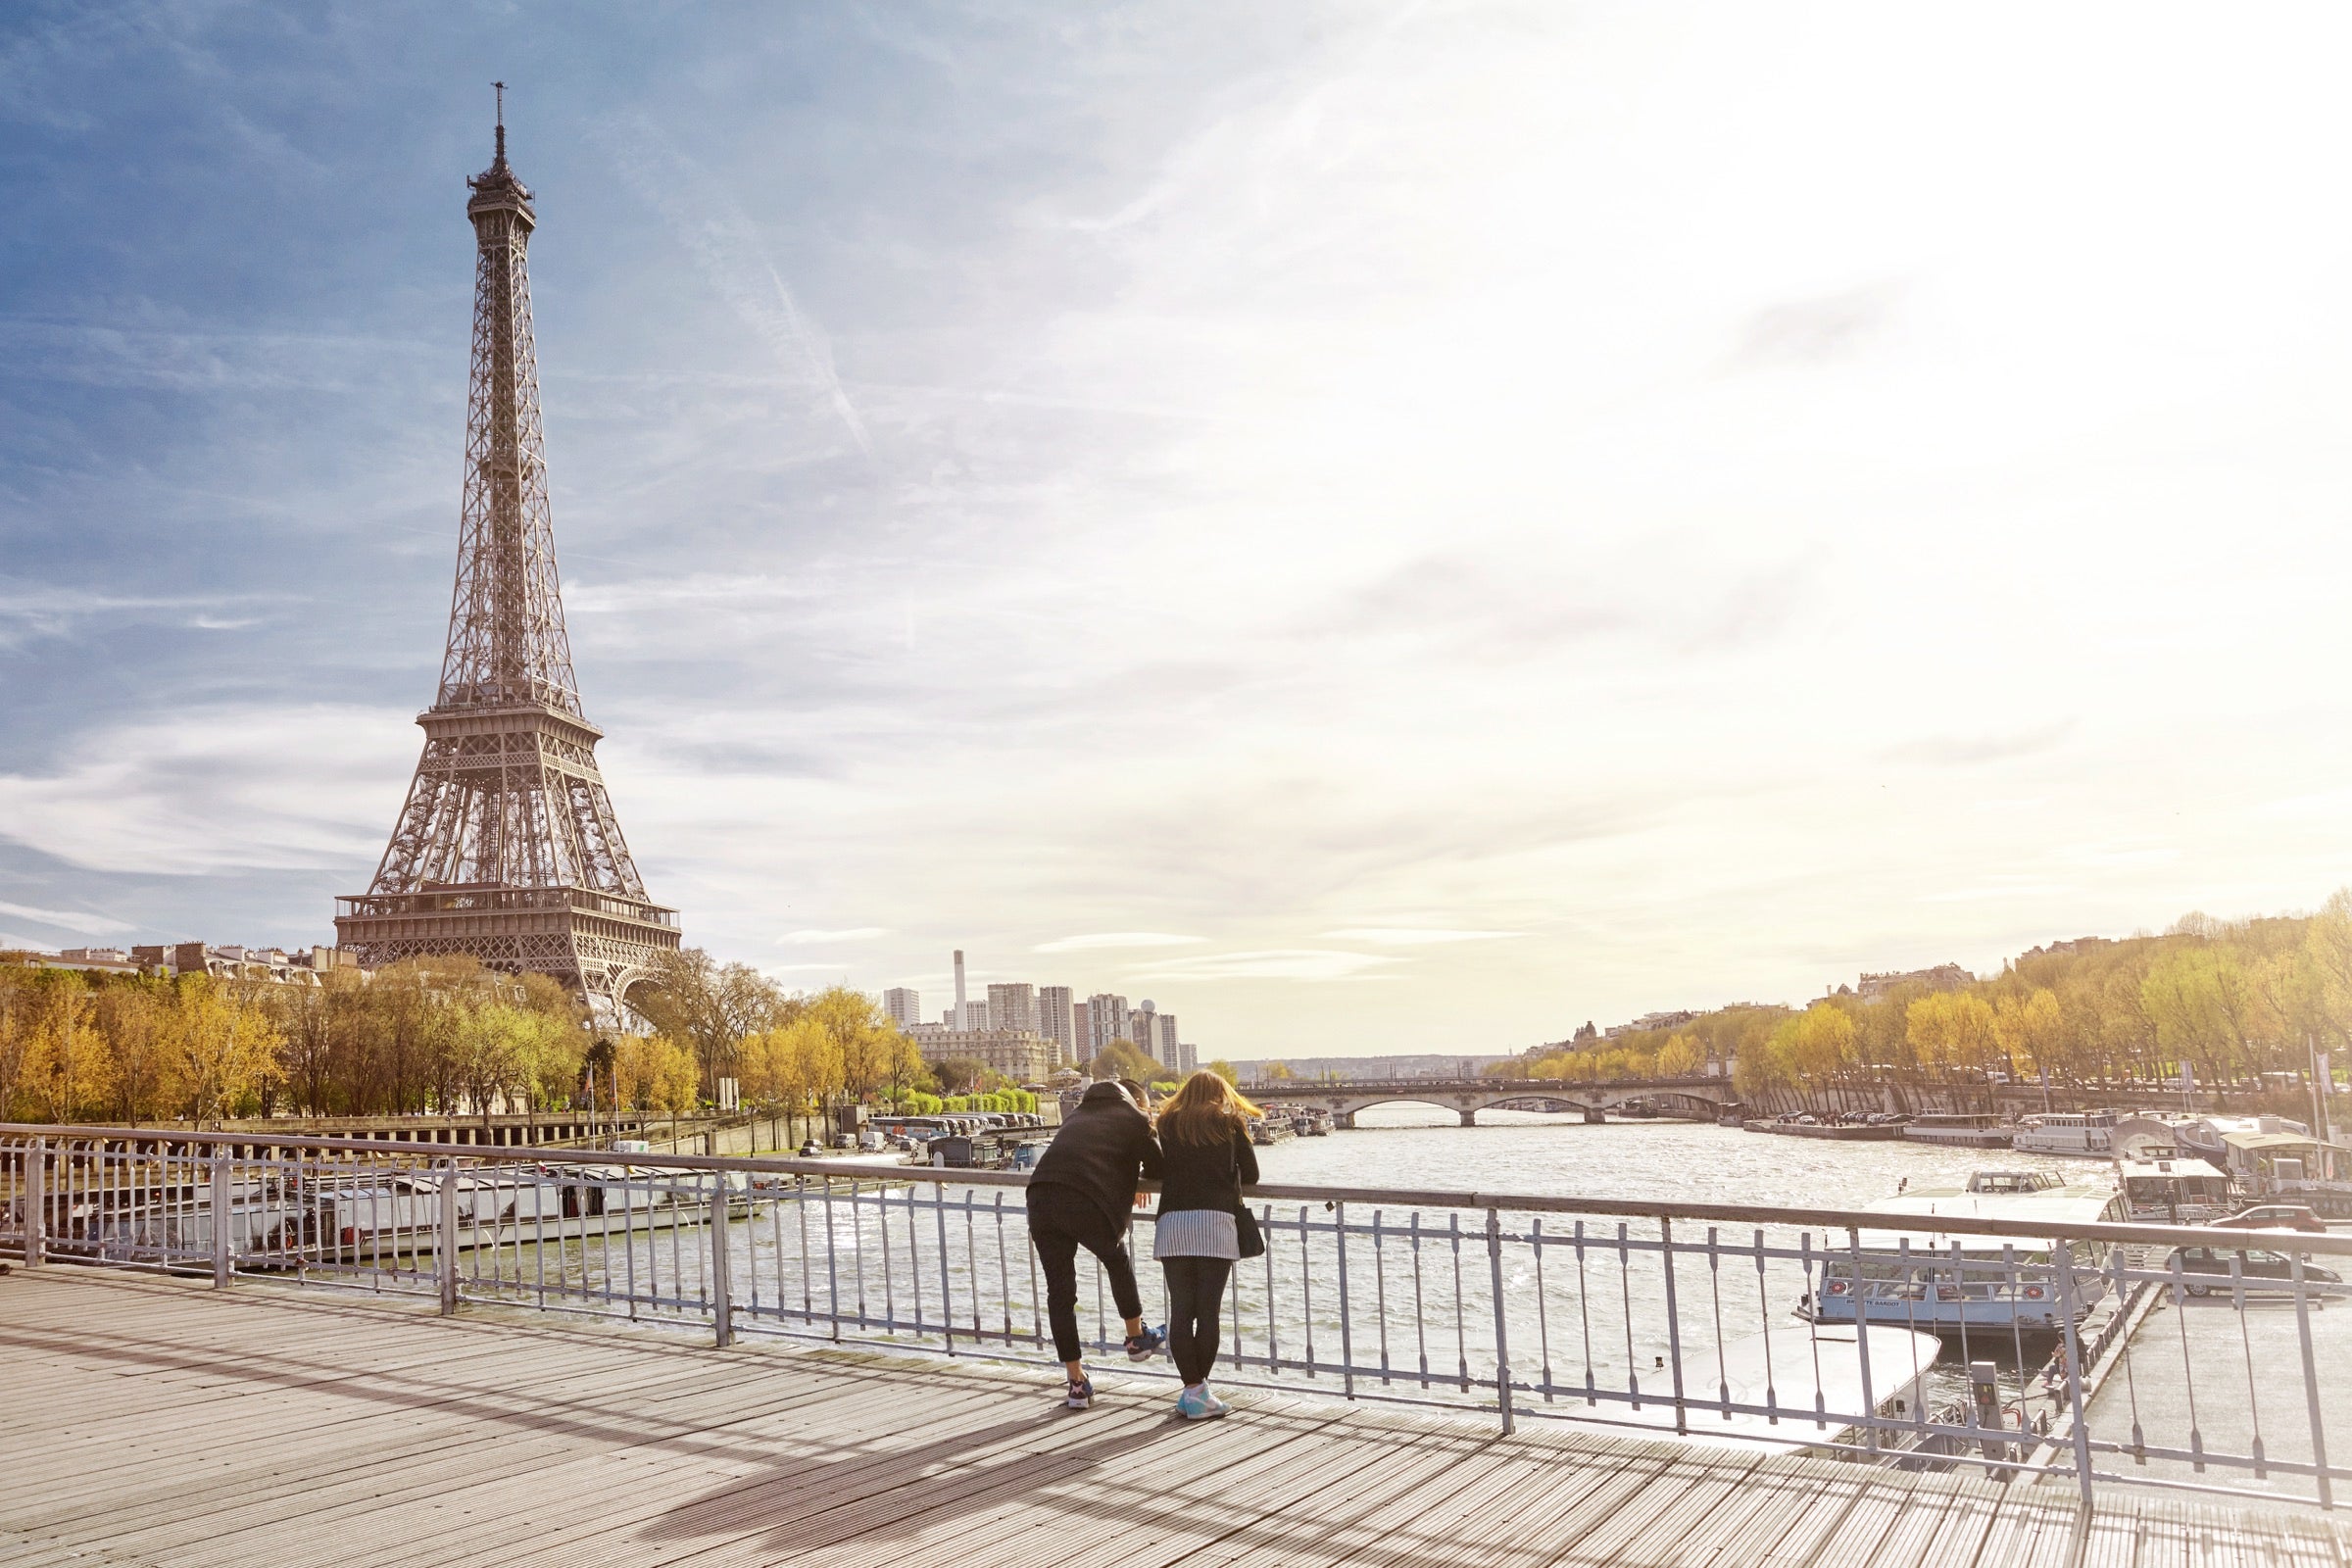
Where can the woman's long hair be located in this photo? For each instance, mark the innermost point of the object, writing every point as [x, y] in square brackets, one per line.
[1205, 1110]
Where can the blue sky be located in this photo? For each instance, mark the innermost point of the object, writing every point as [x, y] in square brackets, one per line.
[1378, 527]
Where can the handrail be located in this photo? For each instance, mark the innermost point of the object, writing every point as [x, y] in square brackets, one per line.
[2327, 1245]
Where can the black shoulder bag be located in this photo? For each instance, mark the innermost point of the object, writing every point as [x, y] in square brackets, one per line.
[1251, 1242]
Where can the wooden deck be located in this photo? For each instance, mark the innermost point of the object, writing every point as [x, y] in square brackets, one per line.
[149, 1421]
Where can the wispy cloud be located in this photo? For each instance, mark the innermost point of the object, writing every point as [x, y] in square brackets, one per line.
[863, 933]
[1974, 751]
[92, 925]
[1269, 964]
[1105, 941]
[706, 220]
[1413, 937]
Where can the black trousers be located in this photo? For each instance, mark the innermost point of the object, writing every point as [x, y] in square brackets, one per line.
[1195, 1286]
[1061, 1221]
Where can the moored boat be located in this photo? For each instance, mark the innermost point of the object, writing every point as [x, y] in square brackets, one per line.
[2175, 1191]
[1949, 1282]
[1960, 1130]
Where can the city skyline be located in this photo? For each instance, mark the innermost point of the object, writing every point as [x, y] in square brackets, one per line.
[1406, 532]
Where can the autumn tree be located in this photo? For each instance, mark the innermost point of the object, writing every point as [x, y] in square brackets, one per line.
[1681, 1056]
[710, 1008]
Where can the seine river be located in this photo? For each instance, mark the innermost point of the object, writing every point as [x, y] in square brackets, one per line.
[1527, 1151]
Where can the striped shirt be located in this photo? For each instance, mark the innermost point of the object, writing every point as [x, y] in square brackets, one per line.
[1196, 1233]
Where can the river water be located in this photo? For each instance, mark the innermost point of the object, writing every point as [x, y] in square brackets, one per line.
[1528, 1151]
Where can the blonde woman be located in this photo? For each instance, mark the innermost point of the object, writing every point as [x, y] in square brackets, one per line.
[1205, 1161]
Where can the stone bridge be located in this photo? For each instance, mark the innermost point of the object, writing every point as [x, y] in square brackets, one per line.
[1694, 1099]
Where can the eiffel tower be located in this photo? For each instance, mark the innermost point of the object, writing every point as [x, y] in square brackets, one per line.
[508, 847]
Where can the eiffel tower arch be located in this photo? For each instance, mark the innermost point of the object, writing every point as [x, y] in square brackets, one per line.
[508, 847]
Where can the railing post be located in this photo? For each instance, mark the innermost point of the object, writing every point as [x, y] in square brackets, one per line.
[2074, 1369]
[222, 1254]
[722, 1301]
[1674, 1327]
[1870, 1398]
[2311, 1385]
[1502, 1332]
[445, 1239]
[1338, 1212]
[35, 1202]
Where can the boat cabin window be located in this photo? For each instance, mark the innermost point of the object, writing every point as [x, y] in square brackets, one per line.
[2011, 1181]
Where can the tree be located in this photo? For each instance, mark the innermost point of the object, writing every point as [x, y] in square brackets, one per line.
[1276, 1071]
[710, 1007]
[133, 1017]
[16, 1035]
[1682, 1057]
[2031, 1030]
[1224, 1070]
[219, 1049]
[67, 1067]
[1816, 1045]
[960, 1075]
[651, 1073]
[1952, 1029]
[1124, 1059]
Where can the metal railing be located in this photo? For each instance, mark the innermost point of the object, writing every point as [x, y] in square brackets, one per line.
[2180, 1356]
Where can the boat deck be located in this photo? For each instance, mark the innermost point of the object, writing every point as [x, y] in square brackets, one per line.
[158, 1422]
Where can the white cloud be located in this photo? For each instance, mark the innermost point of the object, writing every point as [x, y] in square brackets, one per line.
[228, 788]
[1413, 937]
[94, 925]
[1272, 964]
[1111, 941]
[863, 933]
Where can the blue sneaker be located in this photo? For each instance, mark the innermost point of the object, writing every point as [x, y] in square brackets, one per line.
[1146, 1345]
[1081, 1395]
[1199, 1404]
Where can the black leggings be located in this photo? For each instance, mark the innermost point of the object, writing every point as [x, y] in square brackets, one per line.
[1195, 1286]
[1061, 1221]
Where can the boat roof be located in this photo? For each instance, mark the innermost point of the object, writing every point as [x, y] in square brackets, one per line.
[2176, 1165]
[2270, 1140]
[2065, 1205]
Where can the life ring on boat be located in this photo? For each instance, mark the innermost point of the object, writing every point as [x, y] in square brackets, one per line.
[2033, 1293]
[1837, 1287]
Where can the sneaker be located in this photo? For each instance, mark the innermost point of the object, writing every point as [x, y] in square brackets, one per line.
[1216, 1407]
[1145, 1346]
[1199, 1404]
[1081, 1395]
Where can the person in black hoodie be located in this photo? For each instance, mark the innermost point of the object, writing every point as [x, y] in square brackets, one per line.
[1206, 1161]
[1082, 1194]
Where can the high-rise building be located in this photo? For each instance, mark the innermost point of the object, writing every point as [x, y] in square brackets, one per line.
[1164, 1048]
[1105, 1021]
[508, 847]
[1055, 1020]
[905, 1007]
[1012, 1007]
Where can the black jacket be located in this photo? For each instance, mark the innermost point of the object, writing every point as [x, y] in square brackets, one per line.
[1206, 1175]
[1102, 1150]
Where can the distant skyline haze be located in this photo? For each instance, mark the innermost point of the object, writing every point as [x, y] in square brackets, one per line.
[1385, 529]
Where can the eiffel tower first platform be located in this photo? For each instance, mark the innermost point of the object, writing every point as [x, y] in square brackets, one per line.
[508, 847]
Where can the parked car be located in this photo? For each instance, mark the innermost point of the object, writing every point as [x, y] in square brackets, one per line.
[2257, 1270]
[2275, 1217]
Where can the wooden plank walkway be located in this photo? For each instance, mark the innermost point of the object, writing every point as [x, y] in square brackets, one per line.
[146, 1421]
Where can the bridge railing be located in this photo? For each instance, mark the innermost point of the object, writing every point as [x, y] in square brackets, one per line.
[2188, 1357]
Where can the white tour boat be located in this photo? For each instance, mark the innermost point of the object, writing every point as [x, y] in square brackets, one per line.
[1951, 1281]
[2088, 1134]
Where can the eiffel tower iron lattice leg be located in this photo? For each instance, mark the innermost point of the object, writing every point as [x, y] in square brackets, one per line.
[508, 847]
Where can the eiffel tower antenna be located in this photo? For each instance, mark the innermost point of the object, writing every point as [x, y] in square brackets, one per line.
[508, 847]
